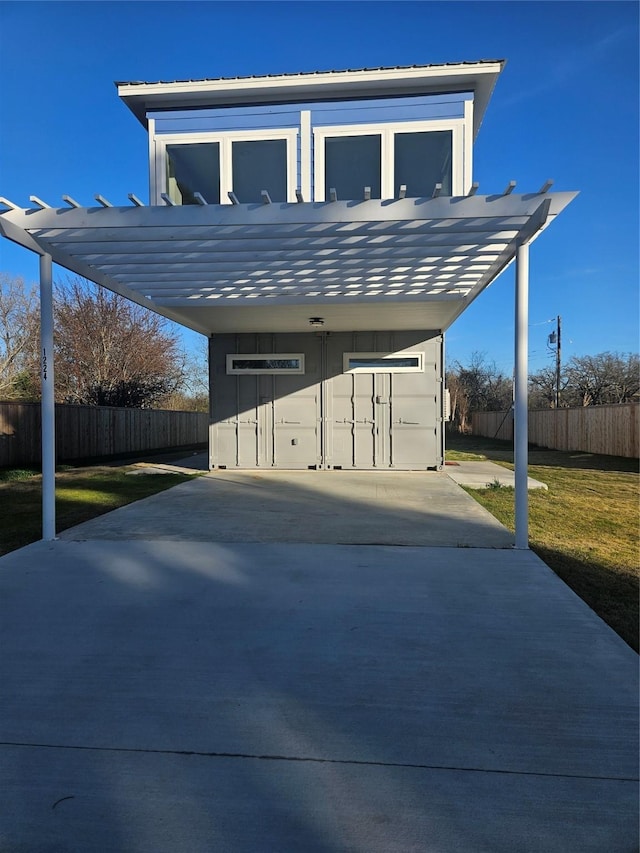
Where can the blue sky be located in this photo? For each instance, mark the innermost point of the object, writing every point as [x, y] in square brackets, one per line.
[566, 107]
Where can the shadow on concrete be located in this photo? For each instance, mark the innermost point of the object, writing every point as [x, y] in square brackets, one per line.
[315, 507]
[197, 696]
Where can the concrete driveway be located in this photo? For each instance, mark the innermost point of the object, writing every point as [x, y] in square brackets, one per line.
[313, 507]
[193, 688]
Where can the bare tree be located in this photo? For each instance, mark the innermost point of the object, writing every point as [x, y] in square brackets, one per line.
[542, 388]
[19, 339]
[110, 351]
[459, 404]
[193, 395]
[608, 377]
[476, 387]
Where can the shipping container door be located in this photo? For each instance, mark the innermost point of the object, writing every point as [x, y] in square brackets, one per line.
[344, 408]
[349, 409]
[414, 424]
[337, 406]
[296, 409]
[235, 426]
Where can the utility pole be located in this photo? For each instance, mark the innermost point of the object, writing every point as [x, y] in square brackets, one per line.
[555, 338]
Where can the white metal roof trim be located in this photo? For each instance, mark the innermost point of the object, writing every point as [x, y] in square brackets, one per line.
[310, 73]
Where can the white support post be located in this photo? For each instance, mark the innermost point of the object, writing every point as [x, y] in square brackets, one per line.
[521, 415]
[48, 403]
[212, 429]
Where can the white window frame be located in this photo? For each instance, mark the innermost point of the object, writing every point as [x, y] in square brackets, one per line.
[241, 371]
[225, 139]
[387, 133]
[347, 356]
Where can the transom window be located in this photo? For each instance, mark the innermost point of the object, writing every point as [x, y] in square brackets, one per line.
[383, 362]
[265, 363]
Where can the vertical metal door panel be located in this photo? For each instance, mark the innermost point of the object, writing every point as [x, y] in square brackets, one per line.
[226, 440]
[341, 426]
[364, 427]
[338, 404]
[414, 416]
[296, 406]
[265, 415]
[234, 411]
[352, 427]
[382, 419]
[296, 423]
[246, 397]
[325, 414]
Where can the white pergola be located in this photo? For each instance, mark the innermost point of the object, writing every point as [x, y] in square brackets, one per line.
[396, 264]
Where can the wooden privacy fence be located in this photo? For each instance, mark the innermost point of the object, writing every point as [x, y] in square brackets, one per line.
[84, 432]
[612, 430]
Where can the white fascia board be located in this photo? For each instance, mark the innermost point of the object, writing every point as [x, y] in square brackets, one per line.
[295, 318]
[535, 228]
[17, 234]
[311, 301]
[477, 77]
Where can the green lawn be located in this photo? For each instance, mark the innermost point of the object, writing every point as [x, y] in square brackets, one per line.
[81, 494]
[585, 527]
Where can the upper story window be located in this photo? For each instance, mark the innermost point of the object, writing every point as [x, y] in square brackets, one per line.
[193, 168]
[239, 162]
[259, 165]
[418, 155]
[351, 163]
[382, 156]
[421, 160]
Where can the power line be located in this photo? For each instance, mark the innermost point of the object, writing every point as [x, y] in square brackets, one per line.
[542, 322]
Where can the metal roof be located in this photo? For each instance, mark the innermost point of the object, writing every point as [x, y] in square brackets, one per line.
[309, 73]
[360, 265]
[384, 81]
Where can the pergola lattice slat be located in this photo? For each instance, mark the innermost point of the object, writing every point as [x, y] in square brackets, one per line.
[237, 267]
